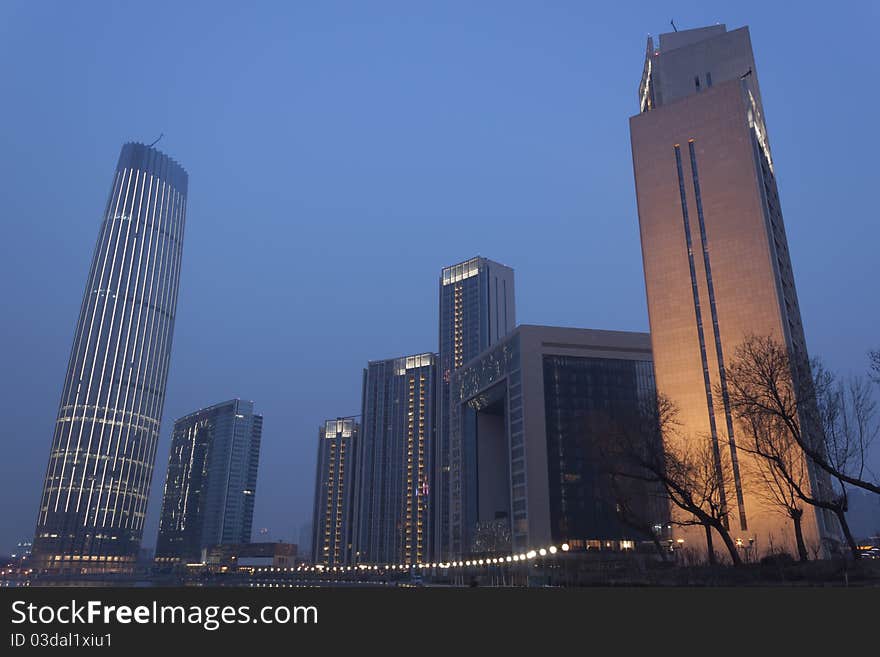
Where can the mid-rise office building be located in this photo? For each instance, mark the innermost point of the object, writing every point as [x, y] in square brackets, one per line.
[394, 460]
[529, 418]
[477, 309]
[716, 259]
[331, 538]
[94, 500]
[211, 481]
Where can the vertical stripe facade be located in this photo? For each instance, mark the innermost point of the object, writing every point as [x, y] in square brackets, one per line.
[103, 448]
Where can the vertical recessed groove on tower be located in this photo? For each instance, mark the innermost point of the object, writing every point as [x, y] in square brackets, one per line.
[699, 317]
[719, 351]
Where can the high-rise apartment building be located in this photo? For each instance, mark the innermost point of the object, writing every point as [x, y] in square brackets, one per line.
[716, 259]
[211, 481]
[477, 310]
[394, 460]
[334, 492]
[103, 449]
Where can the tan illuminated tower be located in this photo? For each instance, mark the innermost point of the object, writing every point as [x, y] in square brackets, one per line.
[716, 260]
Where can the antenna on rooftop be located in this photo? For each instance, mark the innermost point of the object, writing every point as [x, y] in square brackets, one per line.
[672, 22]
[161, 134]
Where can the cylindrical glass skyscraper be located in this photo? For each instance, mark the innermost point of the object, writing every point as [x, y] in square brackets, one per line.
[94, 500]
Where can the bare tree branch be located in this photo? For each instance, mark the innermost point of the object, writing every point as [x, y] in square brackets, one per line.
[831, 423]
[686, 468]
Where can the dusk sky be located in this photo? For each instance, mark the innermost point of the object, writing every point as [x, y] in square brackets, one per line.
[340, 154]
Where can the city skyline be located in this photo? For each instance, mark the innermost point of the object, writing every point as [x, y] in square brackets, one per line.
[541, 260]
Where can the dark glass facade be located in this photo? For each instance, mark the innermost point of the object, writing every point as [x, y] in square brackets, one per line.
[103, 448]
[211, 482]
[587, 400]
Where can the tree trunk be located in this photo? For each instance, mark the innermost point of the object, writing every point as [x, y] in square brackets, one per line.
[659, 546]
[844, 525]
[796, 517]
[729, 544]
[709, 548]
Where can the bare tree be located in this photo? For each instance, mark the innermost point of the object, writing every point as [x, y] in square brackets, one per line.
[762, 379]
[777, 487]
[849, 420]
[640, 503]
[692, 473]
[779, 404]
[874, 358]
[696, 480]
[640, 509]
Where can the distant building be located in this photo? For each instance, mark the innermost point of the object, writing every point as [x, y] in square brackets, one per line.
[211, 481]
[22, 550]
[393, 461]
[94, 501]
[527, 418]
[306, 538]
[334, 491]
[477, 309]
[716, 259]
[253, 555]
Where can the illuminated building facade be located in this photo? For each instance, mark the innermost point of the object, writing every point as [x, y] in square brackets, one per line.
[716, 259]
[394, 460]
[334, 491]
[528, 418]
[211, 481]
[103, 448]
[477, 309]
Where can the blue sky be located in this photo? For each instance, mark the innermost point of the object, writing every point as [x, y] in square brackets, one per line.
[341, 153]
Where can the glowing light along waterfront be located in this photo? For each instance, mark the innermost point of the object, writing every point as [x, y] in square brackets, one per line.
[104, 444]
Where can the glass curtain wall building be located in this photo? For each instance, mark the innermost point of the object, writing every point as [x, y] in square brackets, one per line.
[211, 481]
[477, 310]
[715, 253]
[103, 448]
[331, 538]
[394, 461]
[529, 417]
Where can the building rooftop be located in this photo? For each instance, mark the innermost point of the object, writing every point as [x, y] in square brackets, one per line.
[681, 38]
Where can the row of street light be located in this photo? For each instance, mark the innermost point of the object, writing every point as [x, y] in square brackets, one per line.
[447, 565]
